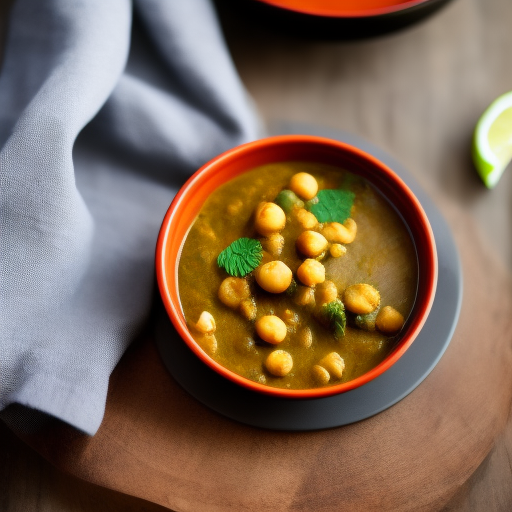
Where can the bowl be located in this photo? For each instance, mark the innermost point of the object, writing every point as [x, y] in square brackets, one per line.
[334, 19]
[348, 8]
[187, 203]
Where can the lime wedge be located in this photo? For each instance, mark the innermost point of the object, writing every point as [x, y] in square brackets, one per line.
[492, 140]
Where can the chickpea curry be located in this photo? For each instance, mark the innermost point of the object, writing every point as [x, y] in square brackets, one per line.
[297, 275]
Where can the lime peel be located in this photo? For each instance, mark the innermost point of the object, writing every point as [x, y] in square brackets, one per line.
[492, 140]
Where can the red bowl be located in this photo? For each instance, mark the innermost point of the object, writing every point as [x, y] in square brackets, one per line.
[346, 8]
[193, 194]
[330, 19]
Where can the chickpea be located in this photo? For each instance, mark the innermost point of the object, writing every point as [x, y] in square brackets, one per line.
[208, 343]
[351, 226]
[233, 290]
[235, 207]
[326, 292]
[290, 317]
[271, 328]
[320, 374]
[274, 277]
[305, 337]
[334, 364]
[307, 220]
[304, 185]
[340, 233]
[273, 244]
[279, 363]
[361, 298]
[337, 250]
[269, 218]
[304, 296]
[206, 323]
[248, 308]
[311, 244]
[389, 320]
[207, 231]
[311, 272]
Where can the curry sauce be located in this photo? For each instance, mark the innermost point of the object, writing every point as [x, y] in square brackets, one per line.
[379, 263]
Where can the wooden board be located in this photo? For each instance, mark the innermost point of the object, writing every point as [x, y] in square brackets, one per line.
[417, 94]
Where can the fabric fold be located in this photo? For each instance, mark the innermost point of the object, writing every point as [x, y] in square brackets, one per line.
[103, 118]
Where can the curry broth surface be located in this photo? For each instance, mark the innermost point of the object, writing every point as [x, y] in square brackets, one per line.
[382, 255]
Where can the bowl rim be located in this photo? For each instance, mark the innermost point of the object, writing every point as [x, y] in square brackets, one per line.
[172, 304]
[300, 7]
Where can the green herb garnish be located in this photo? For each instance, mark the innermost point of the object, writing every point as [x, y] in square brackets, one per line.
[288, 200]
[333, 316]
[333, 205]
[366, 322]
[241, 257]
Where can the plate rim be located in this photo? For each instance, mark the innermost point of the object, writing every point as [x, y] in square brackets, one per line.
[310, 414]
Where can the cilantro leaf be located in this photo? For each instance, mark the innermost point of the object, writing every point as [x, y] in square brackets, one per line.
[366, 322]
[333, 314]
[241, 257]
[333, 205]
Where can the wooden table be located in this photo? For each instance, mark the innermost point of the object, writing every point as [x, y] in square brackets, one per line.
[417, 94]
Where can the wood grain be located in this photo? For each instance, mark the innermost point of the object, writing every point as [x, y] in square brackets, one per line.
[417, 94]
[156, 442]
[28, 482]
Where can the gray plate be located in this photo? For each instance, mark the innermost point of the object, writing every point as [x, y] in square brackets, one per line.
[401, 379]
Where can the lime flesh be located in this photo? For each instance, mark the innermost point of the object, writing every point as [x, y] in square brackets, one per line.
[500, 137]
[492, 142]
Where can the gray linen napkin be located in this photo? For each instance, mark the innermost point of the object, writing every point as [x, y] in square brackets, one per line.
[106, 107]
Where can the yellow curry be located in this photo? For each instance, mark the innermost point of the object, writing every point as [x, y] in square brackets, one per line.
[297, 275]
